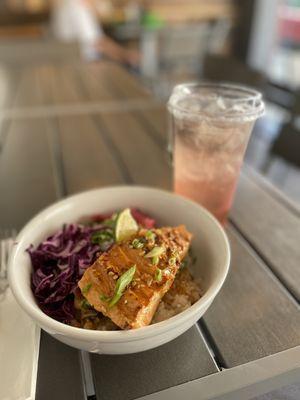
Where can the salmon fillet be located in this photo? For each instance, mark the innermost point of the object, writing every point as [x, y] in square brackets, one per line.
[153, 276]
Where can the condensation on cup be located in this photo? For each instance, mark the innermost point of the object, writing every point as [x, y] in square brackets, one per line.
[209, 131]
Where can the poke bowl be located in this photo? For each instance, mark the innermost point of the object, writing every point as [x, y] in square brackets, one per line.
[211, 259]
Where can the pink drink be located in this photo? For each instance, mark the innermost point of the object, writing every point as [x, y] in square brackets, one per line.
[210, 135]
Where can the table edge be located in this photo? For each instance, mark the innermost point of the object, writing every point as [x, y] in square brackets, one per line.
[241, 382]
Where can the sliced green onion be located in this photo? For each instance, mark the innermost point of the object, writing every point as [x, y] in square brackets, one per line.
[137, 244]
[150, 235]
[86, 289]
[172, 261]
[111, 222]
[158, 275]
[156, 251]
[104, 298]
[102, 236]
[155, 260]
[121, 285]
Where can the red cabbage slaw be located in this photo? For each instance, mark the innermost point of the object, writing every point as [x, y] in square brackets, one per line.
[59, 262]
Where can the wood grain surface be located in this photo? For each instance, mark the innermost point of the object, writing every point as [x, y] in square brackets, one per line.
[26, 173]
[131, 376]
[59, 373]
[28, 183]
[10, 80]
[271, 228]
[87, 159]
[253, 316]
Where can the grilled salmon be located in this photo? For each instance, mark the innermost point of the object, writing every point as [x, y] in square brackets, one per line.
[153, 257]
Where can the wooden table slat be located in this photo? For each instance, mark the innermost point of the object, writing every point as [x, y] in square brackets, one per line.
[9, 80]
[118, 81]
[95, 86]
[145, 160]
[157, 118]
[252, 316]
[59, 373]
[274, 191]
[26, 173]
[87, 161]
[59, 86]
[28, 93]
[271, 228]
[128, 377]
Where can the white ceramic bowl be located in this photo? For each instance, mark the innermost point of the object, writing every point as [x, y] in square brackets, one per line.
[210, 246]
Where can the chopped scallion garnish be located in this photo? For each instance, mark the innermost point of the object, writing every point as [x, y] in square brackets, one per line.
[86, 289]
[102, 236]
[158, 275]
[155, 260]
[172, 261]
[150, 235]
[137, 244]
[104, 298]
[156, 251]
[121, 285]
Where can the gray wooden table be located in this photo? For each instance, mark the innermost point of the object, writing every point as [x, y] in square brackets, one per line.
[69, 128]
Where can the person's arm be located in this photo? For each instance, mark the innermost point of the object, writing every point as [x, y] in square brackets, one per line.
[116, 52]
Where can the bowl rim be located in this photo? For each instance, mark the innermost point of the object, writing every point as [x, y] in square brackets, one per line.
[57, 328]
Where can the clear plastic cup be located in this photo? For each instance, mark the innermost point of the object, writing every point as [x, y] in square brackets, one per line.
[209, 132]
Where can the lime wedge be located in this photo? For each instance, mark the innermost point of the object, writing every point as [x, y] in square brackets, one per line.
[126, 226]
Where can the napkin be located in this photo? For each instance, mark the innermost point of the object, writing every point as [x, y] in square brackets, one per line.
[19, 348]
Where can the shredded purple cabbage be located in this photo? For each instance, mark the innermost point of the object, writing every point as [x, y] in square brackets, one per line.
[58, 264]
[60, 261]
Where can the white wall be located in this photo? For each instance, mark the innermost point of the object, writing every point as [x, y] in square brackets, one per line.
[264, 34]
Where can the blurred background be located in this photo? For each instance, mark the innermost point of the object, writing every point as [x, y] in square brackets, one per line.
[163, 42]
